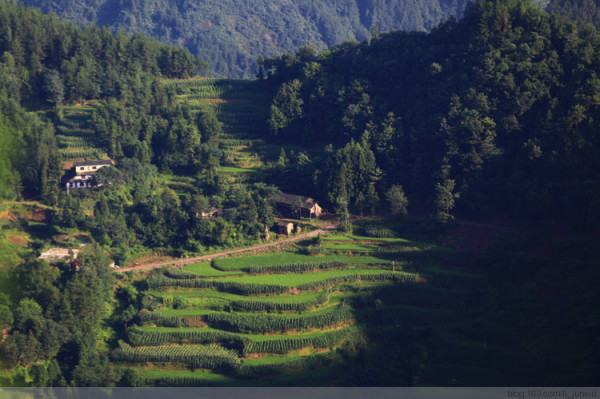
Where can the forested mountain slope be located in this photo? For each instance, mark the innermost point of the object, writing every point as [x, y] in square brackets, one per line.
[47, 62]
[54, 320]
[231, 34]
[493, 113]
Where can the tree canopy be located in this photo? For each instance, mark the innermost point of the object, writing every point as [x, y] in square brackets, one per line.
[492, 112]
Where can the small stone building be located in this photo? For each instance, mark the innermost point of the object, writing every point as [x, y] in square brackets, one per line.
[286, 228]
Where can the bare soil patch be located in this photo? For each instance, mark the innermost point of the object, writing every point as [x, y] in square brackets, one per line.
[8, 215]
[86, 103]
[5, 333]
[19, 240]
[254, 355]
[39, 215]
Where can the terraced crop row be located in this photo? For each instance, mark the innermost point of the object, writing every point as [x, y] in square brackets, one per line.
[240, 142]
[378, 231]
[282, 365]
[255, 287]
[79, 152]
[261, 323]
[75, 131]
[198, 356]
[292, 258]
[285, 344]
[261, 306]
[73, 141]
[215, 88]
[244, 343]
[293, 267]
[250, 368]
[170, 295]
[249, 322]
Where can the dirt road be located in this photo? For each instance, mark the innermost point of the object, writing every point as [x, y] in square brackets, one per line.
[207, 258]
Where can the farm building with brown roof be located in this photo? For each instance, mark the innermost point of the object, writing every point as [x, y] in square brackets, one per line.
[289, 204]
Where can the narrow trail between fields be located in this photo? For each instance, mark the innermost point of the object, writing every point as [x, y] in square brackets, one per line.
[208, 258]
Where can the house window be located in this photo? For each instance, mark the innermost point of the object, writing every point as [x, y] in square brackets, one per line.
[93, 167]
[82, 168]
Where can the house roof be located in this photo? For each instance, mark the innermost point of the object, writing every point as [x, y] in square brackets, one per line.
[290, 199]
[91, 163]
[58, 253]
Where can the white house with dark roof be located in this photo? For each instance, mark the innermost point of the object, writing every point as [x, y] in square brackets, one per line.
[91, 167]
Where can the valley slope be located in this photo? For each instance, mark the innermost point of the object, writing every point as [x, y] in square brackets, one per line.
[230, 35]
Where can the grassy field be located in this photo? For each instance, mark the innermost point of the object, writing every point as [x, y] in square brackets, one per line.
[184, 312]
[388, 240]
[206, 270]
[226, 296]
[350, 246]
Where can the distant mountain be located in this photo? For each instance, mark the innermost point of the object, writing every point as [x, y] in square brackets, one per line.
[230, 34]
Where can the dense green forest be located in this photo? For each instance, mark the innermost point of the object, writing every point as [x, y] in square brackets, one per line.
[230, 35]
[58, 315]
[46, 63]
[58, 318]
[494, 113]
[587, 11]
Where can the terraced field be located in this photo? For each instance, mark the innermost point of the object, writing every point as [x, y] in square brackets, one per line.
[241, 107]
[75, 136]
[285, 316]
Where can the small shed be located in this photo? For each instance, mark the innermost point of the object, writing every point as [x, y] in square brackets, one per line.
[213, 212]
[285, 228]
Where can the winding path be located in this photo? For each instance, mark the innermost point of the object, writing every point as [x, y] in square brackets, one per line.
[207, 258]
